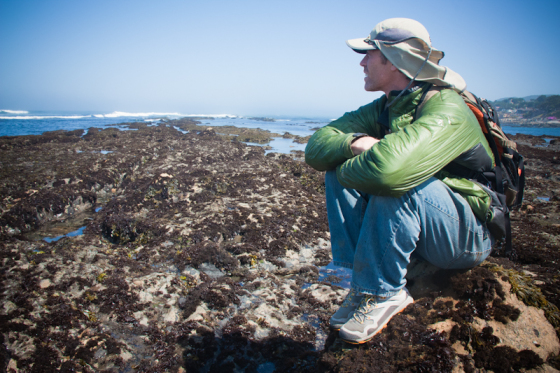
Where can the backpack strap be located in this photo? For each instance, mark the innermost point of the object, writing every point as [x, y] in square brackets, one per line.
[490, 125]
[428, 93]
[485, 118]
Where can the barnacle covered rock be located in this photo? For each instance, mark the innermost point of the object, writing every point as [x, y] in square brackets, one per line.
[196, 252]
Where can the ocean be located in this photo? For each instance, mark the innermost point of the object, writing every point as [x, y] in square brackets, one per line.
[17, 123]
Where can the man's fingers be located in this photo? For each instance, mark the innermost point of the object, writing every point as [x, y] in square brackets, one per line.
[362, 144]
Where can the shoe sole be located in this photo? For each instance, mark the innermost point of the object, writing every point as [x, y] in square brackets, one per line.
[337, 327]
[380, 329]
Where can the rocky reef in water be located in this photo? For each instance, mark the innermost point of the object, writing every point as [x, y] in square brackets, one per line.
[194, 252]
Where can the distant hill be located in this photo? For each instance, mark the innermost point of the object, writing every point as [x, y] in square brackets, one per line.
[531, 107]
[526, 98]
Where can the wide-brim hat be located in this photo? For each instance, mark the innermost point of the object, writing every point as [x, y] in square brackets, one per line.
[407, 45]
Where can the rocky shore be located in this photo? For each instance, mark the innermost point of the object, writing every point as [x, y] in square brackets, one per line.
[178, 248]
[522, 122]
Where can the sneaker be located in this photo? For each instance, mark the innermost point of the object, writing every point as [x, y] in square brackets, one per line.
[372, 315]
[344, 313]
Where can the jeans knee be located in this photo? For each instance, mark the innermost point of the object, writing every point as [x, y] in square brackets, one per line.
[330, 177]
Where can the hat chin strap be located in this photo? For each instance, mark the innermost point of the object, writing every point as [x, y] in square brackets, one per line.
[413, 79]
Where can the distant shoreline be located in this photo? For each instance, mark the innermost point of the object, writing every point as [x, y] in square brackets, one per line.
[530, 123]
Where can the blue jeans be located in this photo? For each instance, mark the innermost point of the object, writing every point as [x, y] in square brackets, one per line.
[375, 235]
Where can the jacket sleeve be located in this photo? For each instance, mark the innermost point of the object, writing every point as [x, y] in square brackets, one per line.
[330, 146]
[407, 158]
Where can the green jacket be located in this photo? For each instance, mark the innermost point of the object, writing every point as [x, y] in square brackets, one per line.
[446, 130]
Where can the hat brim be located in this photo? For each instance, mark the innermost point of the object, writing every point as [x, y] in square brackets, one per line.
[360, 46]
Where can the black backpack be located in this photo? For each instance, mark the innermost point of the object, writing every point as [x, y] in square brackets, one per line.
[507, 179]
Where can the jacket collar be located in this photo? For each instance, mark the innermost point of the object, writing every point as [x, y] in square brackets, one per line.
[406, 94]
[404, 104]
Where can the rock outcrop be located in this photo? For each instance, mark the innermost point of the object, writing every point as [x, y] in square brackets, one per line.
[192, 252]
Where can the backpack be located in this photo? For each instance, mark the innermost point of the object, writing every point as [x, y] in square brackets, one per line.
[505, 183]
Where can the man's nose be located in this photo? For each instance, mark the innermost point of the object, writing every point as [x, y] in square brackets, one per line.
[364, 61]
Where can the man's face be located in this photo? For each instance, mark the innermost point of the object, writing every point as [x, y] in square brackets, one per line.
[378, 72]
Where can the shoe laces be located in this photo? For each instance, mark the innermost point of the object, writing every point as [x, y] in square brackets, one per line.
[368, 303]
[349, 297]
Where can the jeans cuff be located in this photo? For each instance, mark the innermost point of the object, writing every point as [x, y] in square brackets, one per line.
[343, 264]
[378, 293]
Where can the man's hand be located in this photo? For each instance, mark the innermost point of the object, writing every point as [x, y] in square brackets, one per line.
[362, 144]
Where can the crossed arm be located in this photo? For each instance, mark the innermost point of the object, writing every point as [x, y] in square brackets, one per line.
[363, 144]
[401, 160]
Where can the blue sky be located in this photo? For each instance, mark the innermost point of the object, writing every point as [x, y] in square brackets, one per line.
[249, 57]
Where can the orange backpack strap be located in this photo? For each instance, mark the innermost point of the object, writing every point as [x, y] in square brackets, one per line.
[479, 116]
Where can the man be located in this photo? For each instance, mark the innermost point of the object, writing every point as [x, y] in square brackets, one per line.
[390, 191]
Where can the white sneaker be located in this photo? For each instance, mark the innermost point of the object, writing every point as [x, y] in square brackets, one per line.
[372, 315]
[346, 310]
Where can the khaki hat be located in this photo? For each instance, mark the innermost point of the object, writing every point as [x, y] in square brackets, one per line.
[407, 45]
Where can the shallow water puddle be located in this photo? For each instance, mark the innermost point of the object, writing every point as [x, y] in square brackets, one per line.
[71, 227]
[77, 232]
[96, 151]
[547, 199]
[134, 341]
[547, 142]
[121, 128]
[282, 145]
[320, 335]
[279, 145]
[266, 368]
[334, 275]
[180, 130]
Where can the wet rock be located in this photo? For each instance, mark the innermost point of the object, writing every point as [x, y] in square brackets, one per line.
[182, 302]
[210, 270]
[44, 283]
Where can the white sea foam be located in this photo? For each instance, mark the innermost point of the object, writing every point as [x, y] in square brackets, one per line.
[117, 114]
[14, 111]
[47, 117]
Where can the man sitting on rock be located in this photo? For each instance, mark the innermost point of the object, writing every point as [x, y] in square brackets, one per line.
[388, 192]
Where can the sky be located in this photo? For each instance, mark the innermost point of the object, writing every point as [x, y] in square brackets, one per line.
[261, 57]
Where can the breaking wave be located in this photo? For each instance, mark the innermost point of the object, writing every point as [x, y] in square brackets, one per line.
[46, 117]
[14, 111]
[13, 114]
[117, 114]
